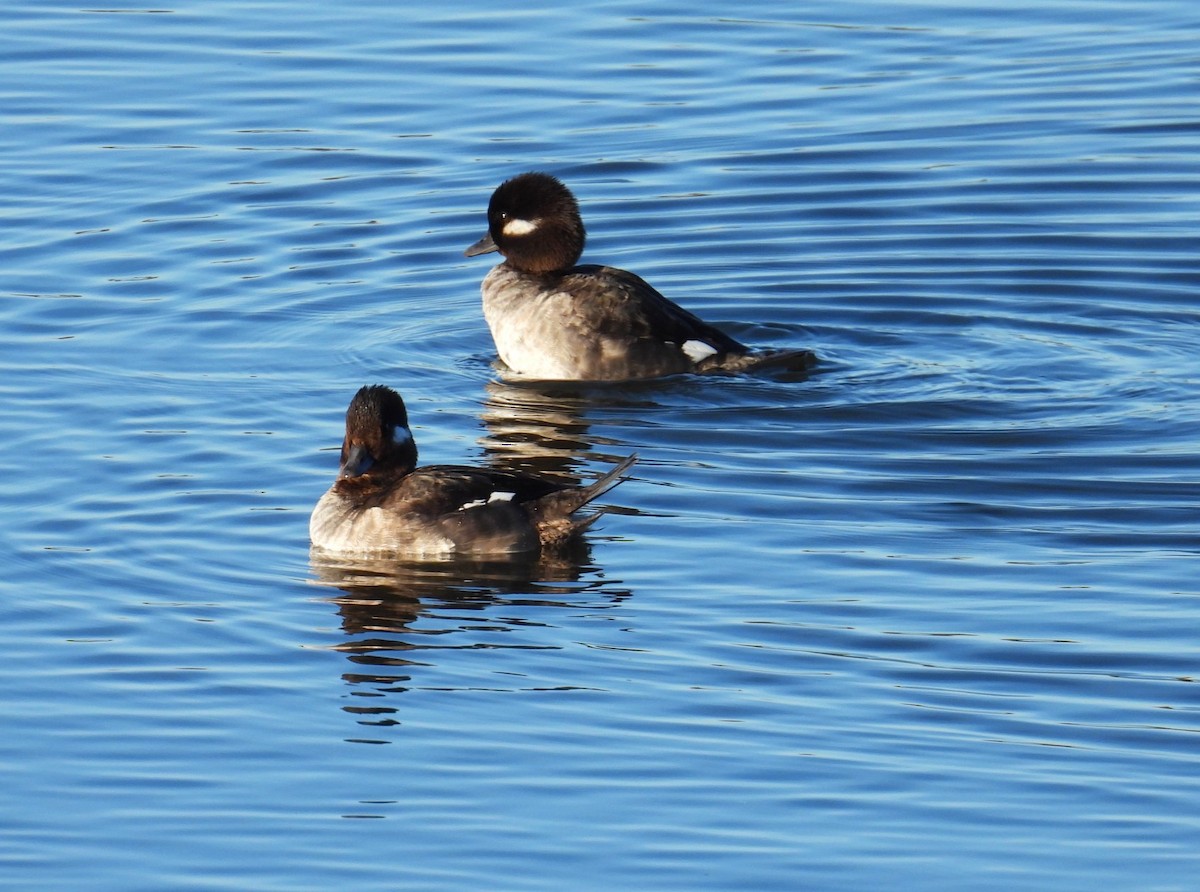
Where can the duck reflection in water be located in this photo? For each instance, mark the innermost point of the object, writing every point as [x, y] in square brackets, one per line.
[397, 615]
[544, 427]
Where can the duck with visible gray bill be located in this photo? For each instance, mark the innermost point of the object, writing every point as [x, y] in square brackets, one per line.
[552, 319]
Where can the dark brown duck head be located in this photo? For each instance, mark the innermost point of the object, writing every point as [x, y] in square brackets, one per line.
[533, 220]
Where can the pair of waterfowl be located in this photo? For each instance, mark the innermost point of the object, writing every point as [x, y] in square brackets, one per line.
[551, 319]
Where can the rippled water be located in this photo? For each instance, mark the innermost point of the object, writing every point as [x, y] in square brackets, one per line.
[922, 620]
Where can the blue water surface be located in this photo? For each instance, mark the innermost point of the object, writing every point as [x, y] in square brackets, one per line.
[923, 619]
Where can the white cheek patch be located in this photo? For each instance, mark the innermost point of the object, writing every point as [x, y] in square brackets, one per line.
[402, 435]
[698, 350]
[518, 227]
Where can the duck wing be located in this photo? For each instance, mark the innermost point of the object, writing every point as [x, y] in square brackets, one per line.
[621, 300]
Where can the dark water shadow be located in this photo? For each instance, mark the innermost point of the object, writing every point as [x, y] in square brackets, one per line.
[545, 428]
[398, 616]
[548, 427]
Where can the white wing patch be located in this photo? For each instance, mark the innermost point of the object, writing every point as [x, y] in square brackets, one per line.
[698, 350]
[494, 497]
[517, 226]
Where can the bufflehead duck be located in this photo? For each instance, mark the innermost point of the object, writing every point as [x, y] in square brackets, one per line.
[381, 502]
[552, 319]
